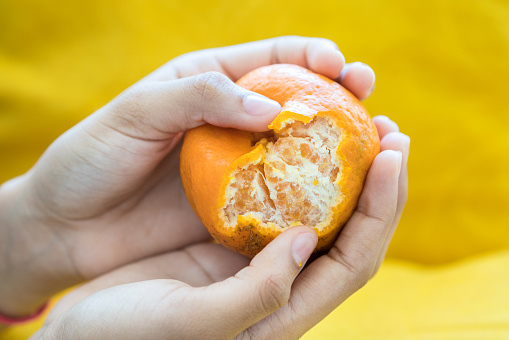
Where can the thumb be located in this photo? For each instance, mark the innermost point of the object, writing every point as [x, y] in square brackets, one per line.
[170, 107]
[264, 286]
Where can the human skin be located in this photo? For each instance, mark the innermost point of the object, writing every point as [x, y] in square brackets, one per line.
[107, 192]
[205, 290]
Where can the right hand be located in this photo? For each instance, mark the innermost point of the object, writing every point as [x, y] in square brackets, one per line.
[191, 293]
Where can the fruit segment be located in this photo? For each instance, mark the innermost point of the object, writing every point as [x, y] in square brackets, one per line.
[295, 182]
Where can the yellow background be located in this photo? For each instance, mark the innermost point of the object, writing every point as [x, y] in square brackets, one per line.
[442, 74]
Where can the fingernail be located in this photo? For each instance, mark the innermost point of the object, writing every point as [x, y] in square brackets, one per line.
[260, 106]
[394, 127]
[368, 70]
[362, 65]
[340, 56]
[302, 247]
[399, 157]
[407, 149]
[372, 89]
[382, 117]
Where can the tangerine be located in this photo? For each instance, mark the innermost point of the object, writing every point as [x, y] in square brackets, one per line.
[248, 187]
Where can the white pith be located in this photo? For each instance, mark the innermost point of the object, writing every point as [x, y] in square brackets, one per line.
[318, 189]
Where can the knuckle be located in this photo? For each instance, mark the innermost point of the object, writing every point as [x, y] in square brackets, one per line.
[288, 37]
[362, 277]
[358, 265]
[132, 112]
[246, 335]
[130, 105]
[181, 63]
[274, 294]
[186, 57]
[376, 270]
[209, 85]
[326, 41]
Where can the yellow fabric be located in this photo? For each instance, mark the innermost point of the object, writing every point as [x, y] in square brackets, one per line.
[442, 74]
[465, 300]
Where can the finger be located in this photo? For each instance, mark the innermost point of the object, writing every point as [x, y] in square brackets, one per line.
[398, 142]
[385, 125]
[359, 78]
[238, 302]
[160, 110]
[362, 237]
[332, 278]
[216, 261]
[264, 287]
[140, 310]
[317, 54]
[198, 265]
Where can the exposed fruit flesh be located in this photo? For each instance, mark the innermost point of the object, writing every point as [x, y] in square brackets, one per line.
[295, 183]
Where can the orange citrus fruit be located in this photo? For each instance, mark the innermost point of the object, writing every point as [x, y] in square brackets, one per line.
[309, 169]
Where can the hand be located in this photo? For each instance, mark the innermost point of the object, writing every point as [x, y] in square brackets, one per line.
[108, 191]
[190, 294]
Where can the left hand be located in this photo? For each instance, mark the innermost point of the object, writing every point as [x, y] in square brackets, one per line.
[108, 191]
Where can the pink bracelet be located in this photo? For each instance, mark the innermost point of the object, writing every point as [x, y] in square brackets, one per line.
[5, 320]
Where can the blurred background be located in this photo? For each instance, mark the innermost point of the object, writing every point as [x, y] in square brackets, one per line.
[442, 69]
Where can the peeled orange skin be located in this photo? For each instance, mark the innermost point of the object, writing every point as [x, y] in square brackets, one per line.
[217, 164]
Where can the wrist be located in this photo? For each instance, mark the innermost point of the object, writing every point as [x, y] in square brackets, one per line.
[33, 260]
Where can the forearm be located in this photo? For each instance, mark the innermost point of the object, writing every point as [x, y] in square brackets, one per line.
[33, 261]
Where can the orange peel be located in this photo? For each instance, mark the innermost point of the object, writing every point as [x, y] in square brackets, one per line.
[309, 169]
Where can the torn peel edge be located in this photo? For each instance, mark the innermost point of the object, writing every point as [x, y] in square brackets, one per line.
[266, 174]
